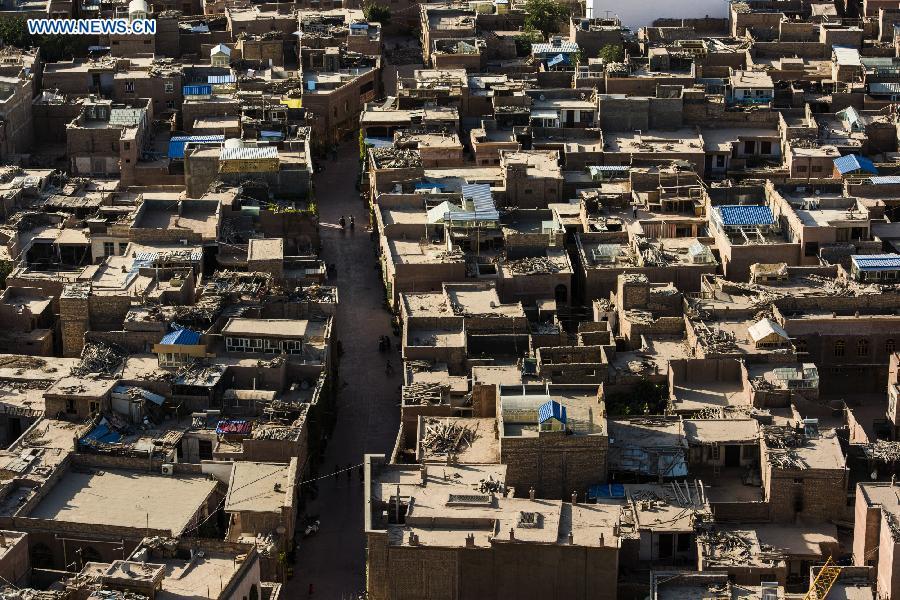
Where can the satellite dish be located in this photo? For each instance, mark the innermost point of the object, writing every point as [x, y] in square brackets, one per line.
[542, 97]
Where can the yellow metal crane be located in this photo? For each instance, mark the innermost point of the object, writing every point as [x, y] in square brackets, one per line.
[821, 585]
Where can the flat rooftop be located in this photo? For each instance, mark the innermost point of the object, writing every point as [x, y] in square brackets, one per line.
[259, 487]
[126, 499]
[287, 328]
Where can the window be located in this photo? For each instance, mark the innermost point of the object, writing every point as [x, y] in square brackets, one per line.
[170, 87]
[720, 161]
[70, 407]
[108, 249]
[816, 168]
[170, 104]
[749, 147]
[123, 247]
[890, 346]
[765, 147]
[811, 249]
[801, 168]
[129, 87]
[800, 346]
[94, 407]
[862, 348]
[128, 145]
[839, 348]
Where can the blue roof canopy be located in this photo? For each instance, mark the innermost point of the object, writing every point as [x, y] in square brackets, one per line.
[184, 337]
[203, 89]
[854, 162]
[737, 216]
[177, 142]
[876, 262]
[551, 410]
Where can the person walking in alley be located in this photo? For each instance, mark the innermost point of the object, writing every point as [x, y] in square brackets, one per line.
[352, 223]
[343, 223]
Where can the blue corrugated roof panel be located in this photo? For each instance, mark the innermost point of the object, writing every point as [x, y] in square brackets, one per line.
[876, 262]
[737, 216]
[177, 142]
[184, 337]
[854, 162]
[551, 410]
[197, 90]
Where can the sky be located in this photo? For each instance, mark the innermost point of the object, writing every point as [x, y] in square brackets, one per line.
[640, 13]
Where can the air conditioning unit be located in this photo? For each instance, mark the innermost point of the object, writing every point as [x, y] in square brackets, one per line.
[168, 469]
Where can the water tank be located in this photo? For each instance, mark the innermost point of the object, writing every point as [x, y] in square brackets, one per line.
[138, 9]
[234, 143]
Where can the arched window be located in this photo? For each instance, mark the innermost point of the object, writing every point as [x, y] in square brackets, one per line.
[839, 348]
[862, 348]
[41, 556]
[890, 346]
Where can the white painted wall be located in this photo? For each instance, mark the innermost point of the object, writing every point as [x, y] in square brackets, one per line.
[640, 14]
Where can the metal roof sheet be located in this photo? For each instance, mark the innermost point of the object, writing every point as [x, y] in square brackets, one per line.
[219, 79]
[204, 89]
[183, 337]
[884, 179]
[884, 87]
[249, 153]
[736, 215]
[551, 409]
[848, 57]
[764, 328]
[876, 262]
[854, 162]
[549, 48]
[176, 143]
[482, 199]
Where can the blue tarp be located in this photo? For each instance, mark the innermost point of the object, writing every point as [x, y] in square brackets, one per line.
[854, 162]
[102, 434]
[606, 490]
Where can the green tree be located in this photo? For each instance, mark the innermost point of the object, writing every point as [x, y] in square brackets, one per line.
[611, 53]
[377, 13]
[545, 15]
[14, 32]
[524, 40]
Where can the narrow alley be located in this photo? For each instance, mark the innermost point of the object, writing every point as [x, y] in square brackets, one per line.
[333, 560]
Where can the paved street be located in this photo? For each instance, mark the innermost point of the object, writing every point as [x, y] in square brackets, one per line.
[368, 402]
